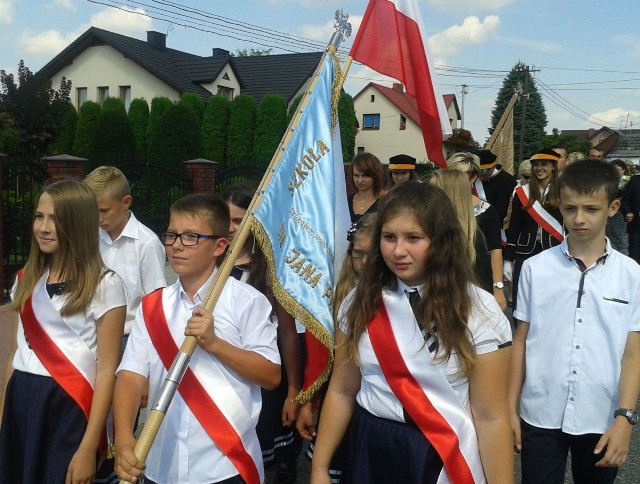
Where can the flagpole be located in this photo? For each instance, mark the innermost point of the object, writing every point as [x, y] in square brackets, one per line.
[182, 359]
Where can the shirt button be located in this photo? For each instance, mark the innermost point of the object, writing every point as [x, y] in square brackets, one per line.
[574, 372]
[579, 320]
[577, 347]
[571, 398]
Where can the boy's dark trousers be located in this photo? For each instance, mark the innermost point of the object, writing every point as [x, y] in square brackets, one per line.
[544, 457]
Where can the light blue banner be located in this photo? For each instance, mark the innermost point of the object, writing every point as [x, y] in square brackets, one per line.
[303, 216]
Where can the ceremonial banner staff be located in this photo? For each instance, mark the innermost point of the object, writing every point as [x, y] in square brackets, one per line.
[300, 229]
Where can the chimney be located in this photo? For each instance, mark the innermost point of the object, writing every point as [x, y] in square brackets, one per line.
[217, 52]
[591, 133]
[398, 87]
[157, 39]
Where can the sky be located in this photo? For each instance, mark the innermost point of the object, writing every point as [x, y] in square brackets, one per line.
[584, 54]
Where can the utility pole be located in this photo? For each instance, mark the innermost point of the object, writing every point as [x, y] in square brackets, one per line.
[465, 90]
[524, 97]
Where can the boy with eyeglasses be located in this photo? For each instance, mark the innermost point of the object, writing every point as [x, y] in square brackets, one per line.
[208, 434]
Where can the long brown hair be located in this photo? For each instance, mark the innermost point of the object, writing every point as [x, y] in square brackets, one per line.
[80, 264]
[446, 303]
[551, 199]
[348, 277]
[370, 165]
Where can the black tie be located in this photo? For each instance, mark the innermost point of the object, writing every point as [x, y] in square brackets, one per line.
[414, 299]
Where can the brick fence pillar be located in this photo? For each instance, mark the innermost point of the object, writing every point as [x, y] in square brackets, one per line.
[201, 174]
[65, 166]
[2, 288]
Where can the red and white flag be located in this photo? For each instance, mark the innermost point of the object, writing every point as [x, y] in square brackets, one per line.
[391, 41]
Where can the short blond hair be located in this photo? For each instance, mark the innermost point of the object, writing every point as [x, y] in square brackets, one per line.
[465, 162]
[108, 181]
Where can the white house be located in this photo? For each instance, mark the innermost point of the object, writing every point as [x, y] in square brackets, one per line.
[390, 124]
[100, 64]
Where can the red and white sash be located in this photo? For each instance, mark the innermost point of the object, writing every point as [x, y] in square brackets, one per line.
[207, 392]
[424, 392]
[543, 218]
[61, 351]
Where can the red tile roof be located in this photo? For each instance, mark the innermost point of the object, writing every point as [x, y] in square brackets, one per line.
[406, 104]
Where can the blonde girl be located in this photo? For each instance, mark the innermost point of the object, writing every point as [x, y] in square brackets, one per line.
[71, 313]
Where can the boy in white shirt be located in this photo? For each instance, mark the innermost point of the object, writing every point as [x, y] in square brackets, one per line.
[576, 351]
[128, 247]
[208, 434]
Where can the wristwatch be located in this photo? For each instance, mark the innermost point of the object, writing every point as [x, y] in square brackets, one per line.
[628, 413]
[498, 285]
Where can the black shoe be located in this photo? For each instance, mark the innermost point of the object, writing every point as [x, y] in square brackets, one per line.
[286, 470]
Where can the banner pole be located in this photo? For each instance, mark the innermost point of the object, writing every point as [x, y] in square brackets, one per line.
[182, 359]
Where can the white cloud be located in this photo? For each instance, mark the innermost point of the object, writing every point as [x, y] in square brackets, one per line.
[127, 21]
[51, 42]
[536, 45]
[465, 5]
[323, 32]
[631, 42]
[472, 31]
[66, 5]
[615, 117]
[6, 12]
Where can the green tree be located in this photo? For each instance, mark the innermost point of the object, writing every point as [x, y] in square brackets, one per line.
[67, 133]
[293, 107]
[113, 142]
[36, 109]
[139, 119]
[535, 115]
[9, 137]
[348, 126]
[195, 103]
[250, 52]
[87, 119]
[159, 106]
[271, 123]
[241, 129]
[570, 142]
[176, 139]
[215, 129]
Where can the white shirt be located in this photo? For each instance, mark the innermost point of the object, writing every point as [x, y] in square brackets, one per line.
[489, 328]
[137, 255]
[182, 450]
[578, 327]
[110, 294]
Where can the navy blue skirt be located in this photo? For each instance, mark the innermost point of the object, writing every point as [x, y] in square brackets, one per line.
[42, 428]
[384, 451]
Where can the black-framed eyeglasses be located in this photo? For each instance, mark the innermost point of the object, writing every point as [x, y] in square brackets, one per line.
[188, 239]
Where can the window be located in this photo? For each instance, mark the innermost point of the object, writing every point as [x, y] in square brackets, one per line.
[103, 93]
[371, 121]
[124, 93]
[81, 96]
[403, 122]
[226, 92]
[360, 149]
[373, 98]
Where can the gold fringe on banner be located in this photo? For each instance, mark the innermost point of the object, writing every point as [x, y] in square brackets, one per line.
[296, 310]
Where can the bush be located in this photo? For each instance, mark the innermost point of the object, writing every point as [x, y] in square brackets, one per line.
[195, 103]
[215, 129]
[139, 119]
[87, 119]
[113, 142]
[271, 123]
[241, 129]
[159, 106]
[63, 143]
[177, 138]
